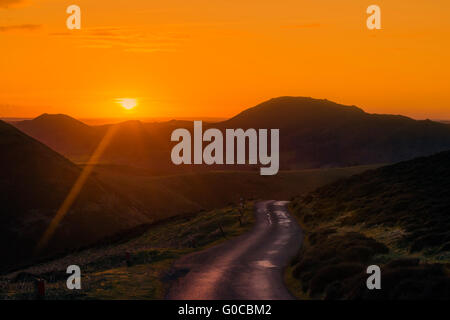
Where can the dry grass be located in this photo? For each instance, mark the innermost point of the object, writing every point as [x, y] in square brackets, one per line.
[106, 273]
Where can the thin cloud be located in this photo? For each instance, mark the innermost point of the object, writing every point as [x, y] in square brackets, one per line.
[303, 26]
[10, 3]
[20, 27]
[127, 39]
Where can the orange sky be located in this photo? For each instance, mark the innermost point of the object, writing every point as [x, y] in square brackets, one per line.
[216, 57]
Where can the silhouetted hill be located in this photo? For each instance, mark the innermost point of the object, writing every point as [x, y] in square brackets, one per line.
[145, 145]
[34, 183]
[320, 133]
[313, 134]
[294, 112]
[62, 133]
[396, 216]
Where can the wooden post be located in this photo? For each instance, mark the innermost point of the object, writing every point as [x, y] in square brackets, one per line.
[223, 232]
[128, 258]
[40, 288]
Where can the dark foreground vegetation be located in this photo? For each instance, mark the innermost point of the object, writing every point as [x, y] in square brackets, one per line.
[397, 217]
[135, 268]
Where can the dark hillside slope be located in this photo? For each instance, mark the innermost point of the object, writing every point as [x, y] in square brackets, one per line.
[62, 133]
[413, 195]
[396, 216]
[34, 183]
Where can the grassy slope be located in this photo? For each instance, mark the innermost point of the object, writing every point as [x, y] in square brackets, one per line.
[105, 274]
[395, 217]
[171, 195]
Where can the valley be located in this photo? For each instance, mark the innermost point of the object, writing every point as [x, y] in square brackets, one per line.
[353, 206]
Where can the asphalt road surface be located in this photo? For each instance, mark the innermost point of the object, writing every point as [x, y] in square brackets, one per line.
[247, 267]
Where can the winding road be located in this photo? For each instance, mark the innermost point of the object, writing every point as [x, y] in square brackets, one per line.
[247, 267]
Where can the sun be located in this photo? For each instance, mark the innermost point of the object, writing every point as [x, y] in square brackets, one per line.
[127, 103]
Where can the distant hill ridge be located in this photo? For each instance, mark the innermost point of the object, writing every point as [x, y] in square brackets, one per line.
[284, 111]
[314, 133]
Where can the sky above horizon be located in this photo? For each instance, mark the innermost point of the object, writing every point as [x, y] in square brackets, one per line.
[214, 58]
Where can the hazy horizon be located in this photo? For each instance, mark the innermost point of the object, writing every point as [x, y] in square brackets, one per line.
[112, 120]
[118, 119]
